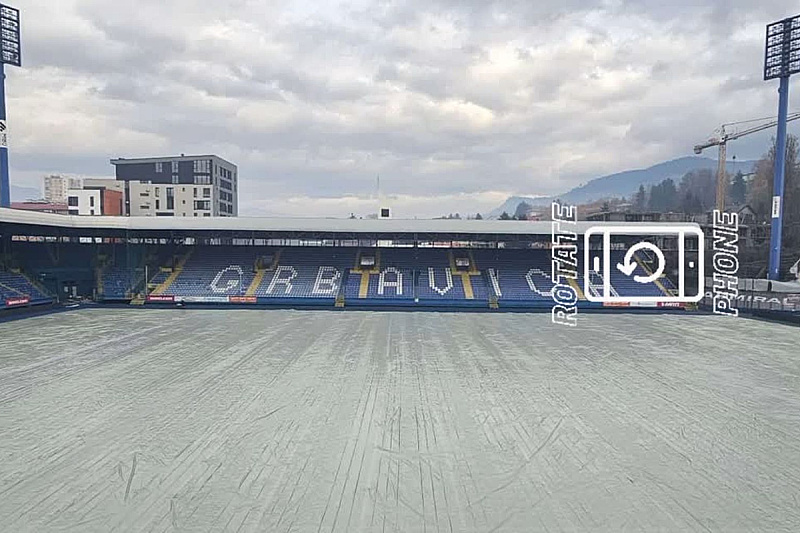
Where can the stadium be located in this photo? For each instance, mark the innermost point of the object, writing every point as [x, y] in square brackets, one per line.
[361, 375]
[166, 365]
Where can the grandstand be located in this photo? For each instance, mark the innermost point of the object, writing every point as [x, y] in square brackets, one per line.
[334, 263]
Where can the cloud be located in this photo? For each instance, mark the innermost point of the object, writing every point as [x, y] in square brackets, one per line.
[449, 101]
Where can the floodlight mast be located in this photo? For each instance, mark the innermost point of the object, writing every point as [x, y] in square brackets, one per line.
[722, 139]
[10, 53]
[781, 60]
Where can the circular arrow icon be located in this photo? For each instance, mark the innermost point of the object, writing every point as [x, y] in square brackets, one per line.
[629, 265]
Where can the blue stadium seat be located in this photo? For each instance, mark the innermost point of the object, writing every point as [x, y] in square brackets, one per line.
[15, 286]
[402, 275]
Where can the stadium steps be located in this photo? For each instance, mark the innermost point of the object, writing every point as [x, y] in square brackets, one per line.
[493, 303]
[661, 287]
[276, 260]
[473, 267]
[12, 289]
[259, 277]
[339, 300]
[577, 286]
[99, 275]
[36, 285]
[161, 289]
[363, 288]
[467, 283]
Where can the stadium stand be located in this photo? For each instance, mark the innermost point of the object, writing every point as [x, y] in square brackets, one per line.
[512, 278]
[518, 275]
[379, 276]
[16, 289]
[304, 273]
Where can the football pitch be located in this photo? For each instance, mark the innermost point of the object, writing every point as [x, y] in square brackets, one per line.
[251, 420]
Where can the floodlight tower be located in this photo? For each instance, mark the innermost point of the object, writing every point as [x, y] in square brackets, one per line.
[10, 54]
[781, 60]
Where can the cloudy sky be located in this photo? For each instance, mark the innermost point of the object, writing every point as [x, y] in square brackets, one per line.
[456, 104]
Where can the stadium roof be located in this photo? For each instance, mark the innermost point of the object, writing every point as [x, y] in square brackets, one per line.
[303, 225]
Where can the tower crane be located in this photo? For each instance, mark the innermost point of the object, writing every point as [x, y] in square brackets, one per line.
[731, 132]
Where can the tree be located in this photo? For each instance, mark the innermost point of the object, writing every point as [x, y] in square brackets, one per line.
[663, 196]
[521, 213]
[697, 191]
[606, 207]
[505, 216]
[691, 204]
[759, 195]
[478, 217]
[640, 199]
[738, 189]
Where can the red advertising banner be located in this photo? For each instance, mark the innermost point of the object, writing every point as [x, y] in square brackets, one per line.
[242, 299]
[160, 298]
[679, 305]
[17, 301]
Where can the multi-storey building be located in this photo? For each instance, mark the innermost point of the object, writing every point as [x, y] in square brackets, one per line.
[56, 187]
[193, 186]
[97, 197]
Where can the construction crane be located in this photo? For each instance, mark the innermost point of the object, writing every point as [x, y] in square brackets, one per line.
[730, 132]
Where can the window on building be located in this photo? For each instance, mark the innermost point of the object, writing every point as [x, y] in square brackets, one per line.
[206, 214]
[91, 201]
[175, 179]
[73, 201]
[159, 168]
[202, 166]
[158, 191]
[202, 180]
[194, 192]
[207, 192]
[144, 206]
[158, 204]
[174, 167]
[170, 198]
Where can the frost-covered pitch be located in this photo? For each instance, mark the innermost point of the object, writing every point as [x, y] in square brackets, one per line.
[246, 420]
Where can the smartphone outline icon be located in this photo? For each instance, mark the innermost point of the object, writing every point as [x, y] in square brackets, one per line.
[591, 259]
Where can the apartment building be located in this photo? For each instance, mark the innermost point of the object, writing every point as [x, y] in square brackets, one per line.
[182, 186]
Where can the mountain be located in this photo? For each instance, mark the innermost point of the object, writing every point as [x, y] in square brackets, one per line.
[22, 194]
[626, 183]
[510, 205]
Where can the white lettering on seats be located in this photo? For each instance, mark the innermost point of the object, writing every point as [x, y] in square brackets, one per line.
[230, 284]
[545, 276]
[448, 276]
[494, 278]
[327, 281]
[397, 283]
[285, 281]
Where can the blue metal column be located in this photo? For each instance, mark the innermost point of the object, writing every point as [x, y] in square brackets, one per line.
[777, 191]
[5, 187]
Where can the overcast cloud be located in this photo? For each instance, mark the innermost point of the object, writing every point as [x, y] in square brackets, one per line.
[456, 104]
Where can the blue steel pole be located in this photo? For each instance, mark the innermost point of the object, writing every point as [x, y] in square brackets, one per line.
[5, 186]
[777, 191]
